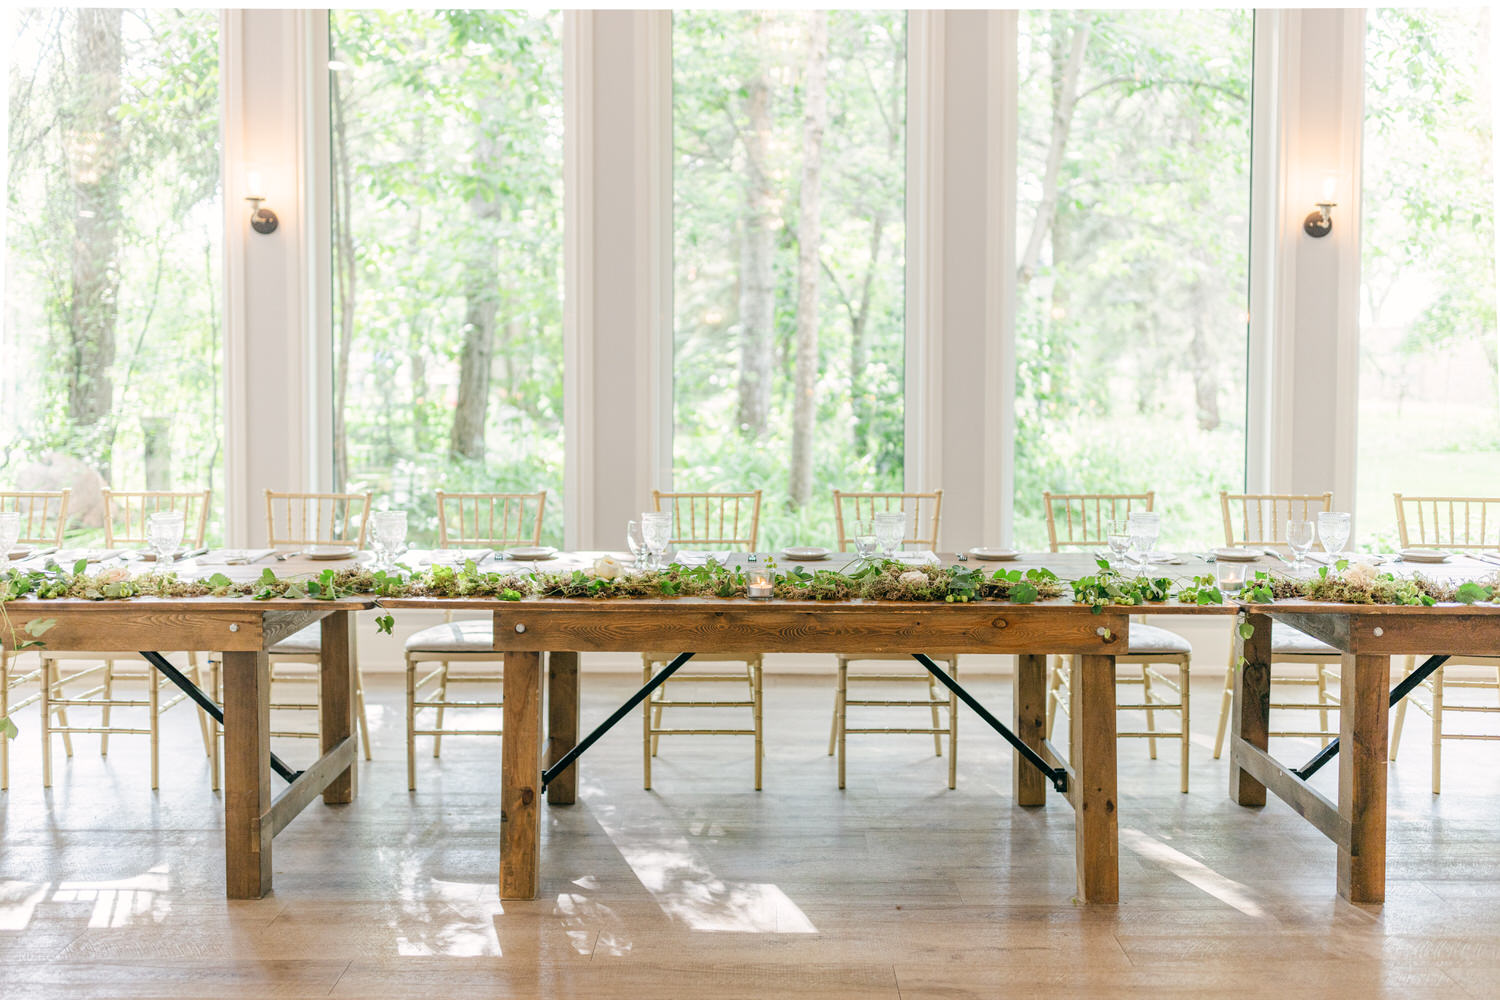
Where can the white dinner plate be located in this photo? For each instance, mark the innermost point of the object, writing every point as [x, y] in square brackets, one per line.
[806, 553]
[1423, 556]
[1236, 555]
[330, 552]
[994, 555]
[531, 553]
[20, 552]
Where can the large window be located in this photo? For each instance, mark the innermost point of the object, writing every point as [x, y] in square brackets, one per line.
[111, 333]
[1428, 387]
[789, 178]
[447, 191]
[1132, 248]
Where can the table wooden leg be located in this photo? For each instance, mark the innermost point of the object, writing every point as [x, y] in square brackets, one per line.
[1251, 712]
[1094, 798]
[1365, 699]
[336, 696]
[1028, 784]
[247, 774]
[520, 776]
[562, 724]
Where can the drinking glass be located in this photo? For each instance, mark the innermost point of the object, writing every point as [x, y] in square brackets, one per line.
[10, 533]
[164, 534]
[1117, 535]
[637, 545]
[1299, 538]
[388, 536]
[1333, 532]
[865, 542]
[656, 533]
[890, 531]
[1144, 527]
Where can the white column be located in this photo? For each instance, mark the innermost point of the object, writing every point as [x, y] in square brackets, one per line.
[617, 406]
[961, 273]
[276, 358]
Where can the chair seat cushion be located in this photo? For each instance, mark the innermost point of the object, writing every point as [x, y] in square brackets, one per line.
[454, 637]
[1287, 641]
[1148, 639]
[307, 640]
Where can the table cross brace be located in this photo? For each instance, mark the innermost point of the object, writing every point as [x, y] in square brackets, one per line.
[1406, 687]
[206, 703]
[1056, 775]
[645, 692]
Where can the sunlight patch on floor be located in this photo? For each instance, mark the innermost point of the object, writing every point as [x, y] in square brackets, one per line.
[121, 902]
[1195, 873]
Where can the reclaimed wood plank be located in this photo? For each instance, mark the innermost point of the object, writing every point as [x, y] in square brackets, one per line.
[1094, 743]
[563, 723]
[1028, 784]
[1365, 685]
[1250, 716]
[521, 775]
[1305, 800]
[337, 679]
[247, 773]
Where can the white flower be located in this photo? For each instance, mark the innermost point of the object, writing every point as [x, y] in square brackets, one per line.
[1360, 575]
[913, 578]
[607, 567]
[115, 574]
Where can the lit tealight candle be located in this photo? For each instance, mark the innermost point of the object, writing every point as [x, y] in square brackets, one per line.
[1231, 576]
[759, 585]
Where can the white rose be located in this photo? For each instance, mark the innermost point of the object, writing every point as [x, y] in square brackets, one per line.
[1360, 575]
[607, 567]
[115, 574]
[913, 578]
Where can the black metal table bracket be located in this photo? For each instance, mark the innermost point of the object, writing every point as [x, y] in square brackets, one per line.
[1407, 686]
[1056, 775]
[206, 703]
[645, 692]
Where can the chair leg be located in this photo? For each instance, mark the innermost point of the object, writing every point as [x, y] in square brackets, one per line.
[1437, 731]
[833, 727]
[843, 715]
[758, 696]
[411, 724]
[205, 722]
[937, 722]
[153, 712]
[213, 753]
[4, 711]
[953, 729]
[656, 711]
[1224, 702]
[1054, 682]
[646, 725]
[364, 720]
[109, 693]
[1322, 701]
[1146, 698]
[46, 720]
[1186, 712]
[1400, 714]
[441, 696]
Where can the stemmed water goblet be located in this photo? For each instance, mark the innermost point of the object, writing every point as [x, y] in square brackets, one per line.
[1333, 532]
[164, 531]
[1144, 527]
[1117, 537]
[1299, 538]
[10, 534]
[656, 536]
[890, 531]
[388, 536]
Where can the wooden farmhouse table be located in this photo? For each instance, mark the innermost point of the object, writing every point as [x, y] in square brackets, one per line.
[242, 630]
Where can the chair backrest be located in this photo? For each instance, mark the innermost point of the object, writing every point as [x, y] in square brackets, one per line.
[1448, 522]
[125, 514]
[924, 514]
[1079, 520]
[1260, 518]
[712, 519]
[316, 518]
[44, 515]
[493, 519]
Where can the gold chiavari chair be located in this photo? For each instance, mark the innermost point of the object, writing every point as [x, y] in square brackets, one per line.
[1461, 524]
[44, 516]
[1258, 520]
[125, 514]
[465, 520]
[1080, 520]
[924, 515]
[706, 520]
[303, 519]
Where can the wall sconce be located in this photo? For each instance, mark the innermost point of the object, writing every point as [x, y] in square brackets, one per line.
[1320, 223]
[262, 220]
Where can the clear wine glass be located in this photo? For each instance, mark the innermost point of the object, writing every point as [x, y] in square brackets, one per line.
[656, 532]
[1299, 538]
[10, 534]
[1117, 536]
[865, 542]
[1144, 527]
[890, 531]
[164, 534]
[636, 542]
[388, 535]
[1333, 532]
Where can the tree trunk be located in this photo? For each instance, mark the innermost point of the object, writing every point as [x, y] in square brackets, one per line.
[94, 161]
[482, 305]
[757, 289]
[157, 434]
[1205, 386]
[1067, 53]
[343, 238]
[809, 235]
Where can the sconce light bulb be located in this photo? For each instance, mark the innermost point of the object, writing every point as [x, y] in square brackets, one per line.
[1330, 188]
[252, 185]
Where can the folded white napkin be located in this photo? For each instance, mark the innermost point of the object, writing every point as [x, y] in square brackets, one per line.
[925, 558]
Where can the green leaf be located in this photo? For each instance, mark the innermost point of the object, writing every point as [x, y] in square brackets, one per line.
[8, 729]
[1246, 630]
[1470, 592]
[38, 627]
[80, 567]
[384, 624]
[268, 577]
[1023, 593]
[219, 580]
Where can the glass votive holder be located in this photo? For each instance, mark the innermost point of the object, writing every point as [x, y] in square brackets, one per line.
[1231, 576]
[758, 586]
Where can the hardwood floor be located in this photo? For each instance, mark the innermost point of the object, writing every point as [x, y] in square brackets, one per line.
[895, 887]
